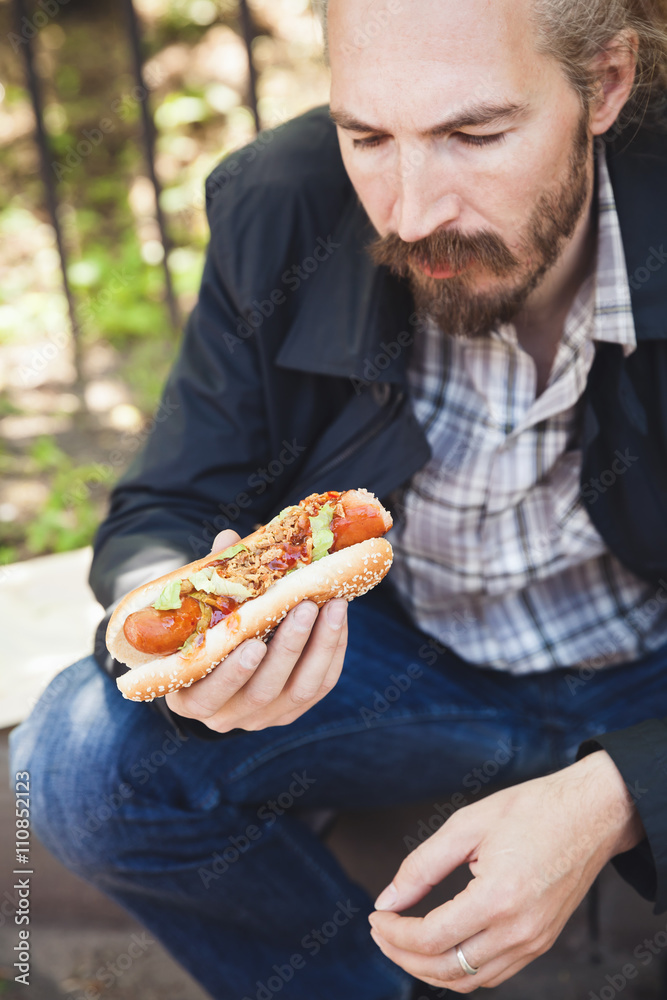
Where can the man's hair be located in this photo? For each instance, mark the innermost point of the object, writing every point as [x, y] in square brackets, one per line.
[576, 31]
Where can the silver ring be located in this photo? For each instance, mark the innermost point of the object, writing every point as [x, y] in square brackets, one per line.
[469, 969]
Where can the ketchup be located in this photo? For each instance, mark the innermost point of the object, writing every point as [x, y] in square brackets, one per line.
[153, 631]
[225, 607]
[292, 554]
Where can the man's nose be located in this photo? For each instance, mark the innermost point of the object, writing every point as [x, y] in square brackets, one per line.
[422, 204]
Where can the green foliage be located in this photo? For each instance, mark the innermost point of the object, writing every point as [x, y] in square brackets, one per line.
[7, 555]
[93, 117]
[70, 516]
[7, 409]
[120, 296]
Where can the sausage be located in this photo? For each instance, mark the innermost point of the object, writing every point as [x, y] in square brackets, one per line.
[362, 517]
[153, 631]
[358, 516]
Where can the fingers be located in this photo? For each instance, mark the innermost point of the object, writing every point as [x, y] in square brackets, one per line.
[444, 966]
[483, 952]
[447, 973]
[252, 703]
[224, 539]
[301, 652]
[427, 947]
[322, 661]
[233, 696]
[330, 680]
[440, 930]
[205, 698]
[450, 846]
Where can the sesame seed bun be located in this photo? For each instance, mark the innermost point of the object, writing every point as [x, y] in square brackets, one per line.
[348, 573]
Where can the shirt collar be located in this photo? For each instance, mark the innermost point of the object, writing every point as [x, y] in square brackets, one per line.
[612, 306]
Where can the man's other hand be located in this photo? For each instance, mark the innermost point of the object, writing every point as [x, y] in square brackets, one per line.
[256, 685]
[533, 850]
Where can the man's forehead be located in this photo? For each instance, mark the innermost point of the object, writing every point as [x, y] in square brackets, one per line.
[430, 28]
[452, 53]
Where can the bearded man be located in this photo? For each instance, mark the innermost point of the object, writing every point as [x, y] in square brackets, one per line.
[448, 288]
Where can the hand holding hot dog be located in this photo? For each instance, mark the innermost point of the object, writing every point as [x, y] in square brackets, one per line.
[271, 686]
[176, 630]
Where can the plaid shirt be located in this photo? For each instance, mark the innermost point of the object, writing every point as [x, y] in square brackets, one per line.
[496, 556]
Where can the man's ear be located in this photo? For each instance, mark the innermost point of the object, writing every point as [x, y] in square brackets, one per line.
[615, 69]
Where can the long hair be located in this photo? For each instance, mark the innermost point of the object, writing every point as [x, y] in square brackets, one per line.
[576, 31]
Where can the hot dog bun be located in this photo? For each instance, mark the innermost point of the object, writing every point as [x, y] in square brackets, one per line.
[348, 573]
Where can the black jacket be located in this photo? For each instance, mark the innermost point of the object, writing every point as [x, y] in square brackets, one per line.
[291, 377]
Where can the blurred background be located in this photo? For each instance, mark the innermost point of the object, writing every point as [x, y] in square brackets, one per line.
[70, 399]
[139, 101]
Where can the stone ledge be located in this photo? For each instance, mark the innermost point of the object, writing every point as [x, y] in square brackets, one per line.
[49, 616]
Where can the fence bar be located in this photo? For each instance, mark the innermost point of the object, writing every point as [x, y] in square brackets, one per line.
[148, 136]
[48, 180]
[248, 35]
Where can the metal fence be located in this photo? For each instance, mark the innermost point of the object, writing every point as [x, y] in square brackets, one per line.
[49, 181]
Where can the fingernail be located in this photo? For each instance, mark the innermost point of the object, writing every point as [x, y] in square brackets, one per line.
[252, 655]
[387, 897]
[304, 616]
[336, 611]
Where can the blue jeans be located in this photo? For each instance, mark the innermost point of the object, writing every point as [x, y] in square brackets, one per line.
[203, 841]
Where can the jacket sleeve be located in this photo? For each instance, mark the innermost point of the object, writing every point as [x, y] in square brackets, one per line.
[190, 479]
[640, 754]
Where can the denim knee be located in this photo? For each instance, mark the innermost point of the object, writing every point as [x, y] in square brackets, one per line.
[69, 746]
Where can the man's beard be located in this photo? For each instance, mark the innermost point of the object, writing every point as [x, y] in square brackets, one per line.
[453, 303]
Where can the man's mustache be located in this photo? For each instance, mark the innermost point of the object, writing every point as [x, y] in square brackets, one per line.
[442, 250]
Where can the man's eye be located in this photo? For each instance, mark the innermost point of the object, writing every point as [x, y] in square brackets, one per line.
[374, 140]
[479, 140]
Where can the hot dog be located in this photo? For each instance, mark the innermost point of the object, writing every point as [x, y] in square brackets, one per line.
[176, 629]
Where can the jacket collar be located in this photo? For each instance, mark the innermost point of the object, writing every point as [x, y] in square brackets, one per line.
[352, 311]
[637, 161]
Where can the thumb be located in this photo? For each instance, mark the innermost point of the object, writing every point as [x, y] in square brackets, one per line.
[429, 864]
[224, 540]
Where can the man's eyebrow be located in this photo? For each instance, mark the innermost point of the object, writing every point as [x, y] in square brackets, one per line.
[481, 114]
